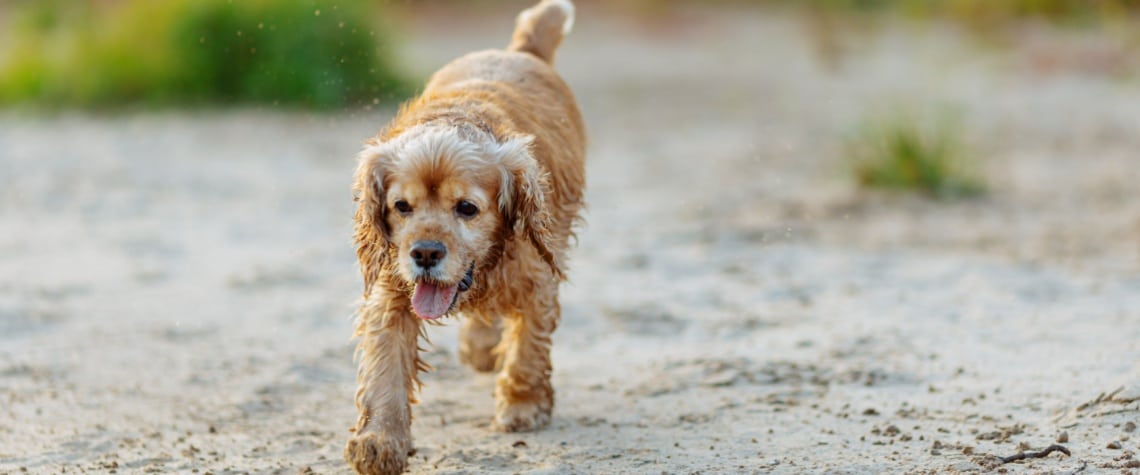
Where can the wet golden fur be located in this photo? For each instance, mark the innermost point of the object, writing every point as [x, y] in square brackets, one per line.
[499, 129]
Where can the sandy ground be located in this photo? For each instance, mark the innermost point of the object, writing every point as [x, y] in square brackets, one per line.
[176, 291]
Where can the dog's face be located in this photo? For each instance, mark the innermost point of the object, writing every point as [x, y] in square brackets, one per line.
[443, 221]
[444, 205]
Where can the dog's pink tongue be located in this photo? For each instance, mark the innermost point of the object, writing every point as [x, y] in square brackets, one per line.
[431, 301]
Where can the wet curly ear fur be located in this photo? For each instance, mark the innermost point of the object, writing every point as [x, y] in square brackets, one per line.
[370, 227]
[522, 199]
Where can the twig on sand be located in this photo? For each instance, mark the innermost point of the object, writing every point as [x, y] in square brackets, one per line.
[1036, 455]
[1102, 397]
[1084, 465]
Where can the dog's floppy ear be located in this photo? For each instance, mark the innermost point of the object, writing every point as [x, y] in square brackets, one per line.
[522, 198]
[371, 227]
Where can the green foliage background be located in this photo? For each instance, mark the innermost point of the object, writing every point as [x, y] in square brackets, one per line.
[311, 53]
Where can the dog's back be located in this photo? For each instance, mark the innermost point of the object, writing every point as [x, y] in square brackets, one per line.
[538, 32]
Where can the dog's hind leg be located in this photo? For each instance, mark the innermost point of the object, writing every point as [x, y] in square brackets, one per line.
[389, 362]
[524, 397]
[478, 337]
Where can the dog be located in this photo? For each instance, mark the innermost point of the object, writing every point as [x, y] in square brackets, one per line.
[466, 202]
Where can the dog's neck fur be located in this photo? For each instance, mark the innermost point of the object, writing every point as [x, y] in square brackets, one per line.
[468, 111]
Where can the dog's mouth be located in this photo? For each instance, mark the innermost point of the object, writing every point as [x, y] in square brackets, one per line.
[432, 300]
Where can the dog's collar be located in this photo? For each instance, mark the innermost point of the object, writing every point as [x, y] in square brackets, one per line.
[468, 279]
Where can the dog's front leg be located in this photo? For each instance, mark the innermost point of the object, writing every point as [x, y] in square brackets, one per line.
[387, 380]
[524, 397]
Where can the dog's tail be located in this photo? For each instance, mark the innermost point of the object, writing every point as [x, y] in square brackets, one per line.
[539, 29]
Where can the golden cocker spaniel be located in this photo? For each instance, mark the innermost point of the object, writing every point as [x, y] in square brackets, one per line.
[465, 204]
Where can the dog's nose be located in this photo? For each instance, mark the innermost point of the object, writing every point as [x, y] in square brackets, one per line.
[428, 253]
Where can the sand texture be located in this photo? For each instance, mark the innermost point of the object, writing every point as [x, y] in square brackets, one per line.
[177, 289]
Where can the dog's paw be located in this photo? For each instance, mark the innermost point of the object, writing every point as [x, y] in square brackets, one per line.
[522, 417]
[370, 453]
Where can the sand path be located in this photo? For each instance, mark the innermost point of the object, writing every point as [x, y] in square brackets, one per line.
[176, 290]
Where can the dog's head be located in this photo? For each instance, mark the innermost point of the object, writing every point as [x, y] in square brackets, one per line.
[436, 207]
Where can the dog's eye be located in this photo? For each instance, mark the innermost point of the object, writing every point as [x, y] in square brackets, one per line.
[466, 209]
[403, 207]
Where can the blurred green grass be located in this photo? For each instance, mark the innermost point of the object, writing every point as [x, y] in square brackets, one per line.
[307, 53]
[1010, 8]
[982, 13]
[901, 152]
